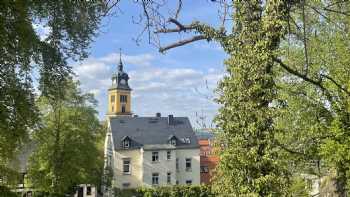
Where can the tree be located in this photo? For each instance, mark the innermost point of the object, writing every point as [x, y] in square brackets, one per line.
[292, 55]
[316, 90]
[66, 151]
[25, 56]
[286, 58]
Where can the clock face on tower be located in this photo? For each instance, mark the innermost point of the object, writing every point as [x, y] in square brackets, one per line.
[122, 81]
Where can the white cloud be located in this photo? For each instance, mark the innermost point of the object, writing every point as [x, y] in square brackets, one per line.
[181, 91]
[92, 69]
[140, 60]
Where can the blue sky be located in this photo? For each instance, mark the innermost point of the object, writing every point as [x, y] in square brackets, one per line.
[171, 83]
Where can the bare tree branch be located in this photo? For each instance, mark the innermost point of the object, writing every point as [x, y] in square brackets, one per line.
[182, 42]
[324, 16]
[179, 7]
[298, 74]
[306, 67]
[336, 3]
[177, 23]
[337, 11]
[148, 24]
[336, 83]
[225, 8]
[289, 150]
[180, 27]
[109, 6]
[317, 83]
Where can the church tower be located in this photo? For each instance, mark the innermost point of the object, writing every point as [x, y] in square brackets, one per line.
[119, 94]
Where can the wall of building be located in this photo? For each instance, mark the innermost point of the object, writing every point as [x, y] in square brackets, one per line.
[208, 159]
[163, 166]
[142, 167]
[135, 177]
[194, 173]
[117, 103]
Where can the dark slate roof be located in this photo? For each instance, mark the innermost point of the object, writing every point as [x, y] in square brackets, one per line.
[145, 131]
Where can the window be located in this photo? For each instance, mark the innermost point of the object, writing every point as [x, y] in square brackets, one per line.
[155, 178]
[168, 155]
[173, 142]
[204, 169]
[112, 99]
[177, 164]
[155, 156]
[123, 98]
[126, 166]
[88, 190]
[188, 164]
[188, 182]
[123, 108]
[168, 177]
[112, 108]
[177, 182]
[126, 144]
[126, 185]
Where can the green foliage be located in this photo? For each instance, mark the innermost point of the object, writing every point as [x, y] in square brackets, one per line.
[250, 162]
[108, 176]
[4, 191]
[315, 119]
[174, 191]
[298, 187]
[67, 153]
[71, 25]
[285, 98]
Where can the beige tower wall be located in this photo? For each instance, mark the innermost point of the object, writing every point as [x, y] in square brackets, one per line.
[115, 108]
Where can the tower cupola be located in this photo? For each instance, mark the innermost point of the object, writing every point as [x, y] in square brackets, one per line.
[120, 92]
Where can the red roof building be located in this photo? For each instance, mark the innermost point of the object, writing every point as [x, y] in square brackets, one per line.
[208, 160]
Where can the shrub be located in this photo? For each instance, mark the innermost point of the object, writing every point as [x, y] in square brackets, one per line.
[171, 191]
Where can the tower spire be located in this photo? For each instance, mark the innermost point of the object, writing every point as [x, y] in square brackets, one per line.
[120, 66]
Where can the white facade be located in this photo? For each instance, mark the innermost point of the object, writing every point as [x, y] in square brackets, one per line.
[142, 168]
[193, 173]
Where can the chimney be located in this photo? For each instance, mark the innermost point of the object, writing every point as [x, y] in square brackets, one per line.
[135, 116]
[158, 115]
[170, 119]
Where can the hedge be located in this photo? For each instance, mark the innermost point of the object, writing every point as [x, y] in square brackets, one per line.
[5, 191]
[174, 191]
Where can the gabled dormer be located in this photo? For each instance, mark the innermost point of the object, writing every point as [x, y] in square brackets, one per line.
[126, 142]
[172, 140]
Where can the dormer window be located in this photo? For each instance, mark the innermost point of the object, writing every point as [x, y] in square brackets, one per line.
[186, 140]
[173, 142]
[126, 144]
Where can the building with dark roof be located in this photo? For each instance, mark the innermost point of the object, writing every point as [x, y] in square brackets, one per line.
[147, 151]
